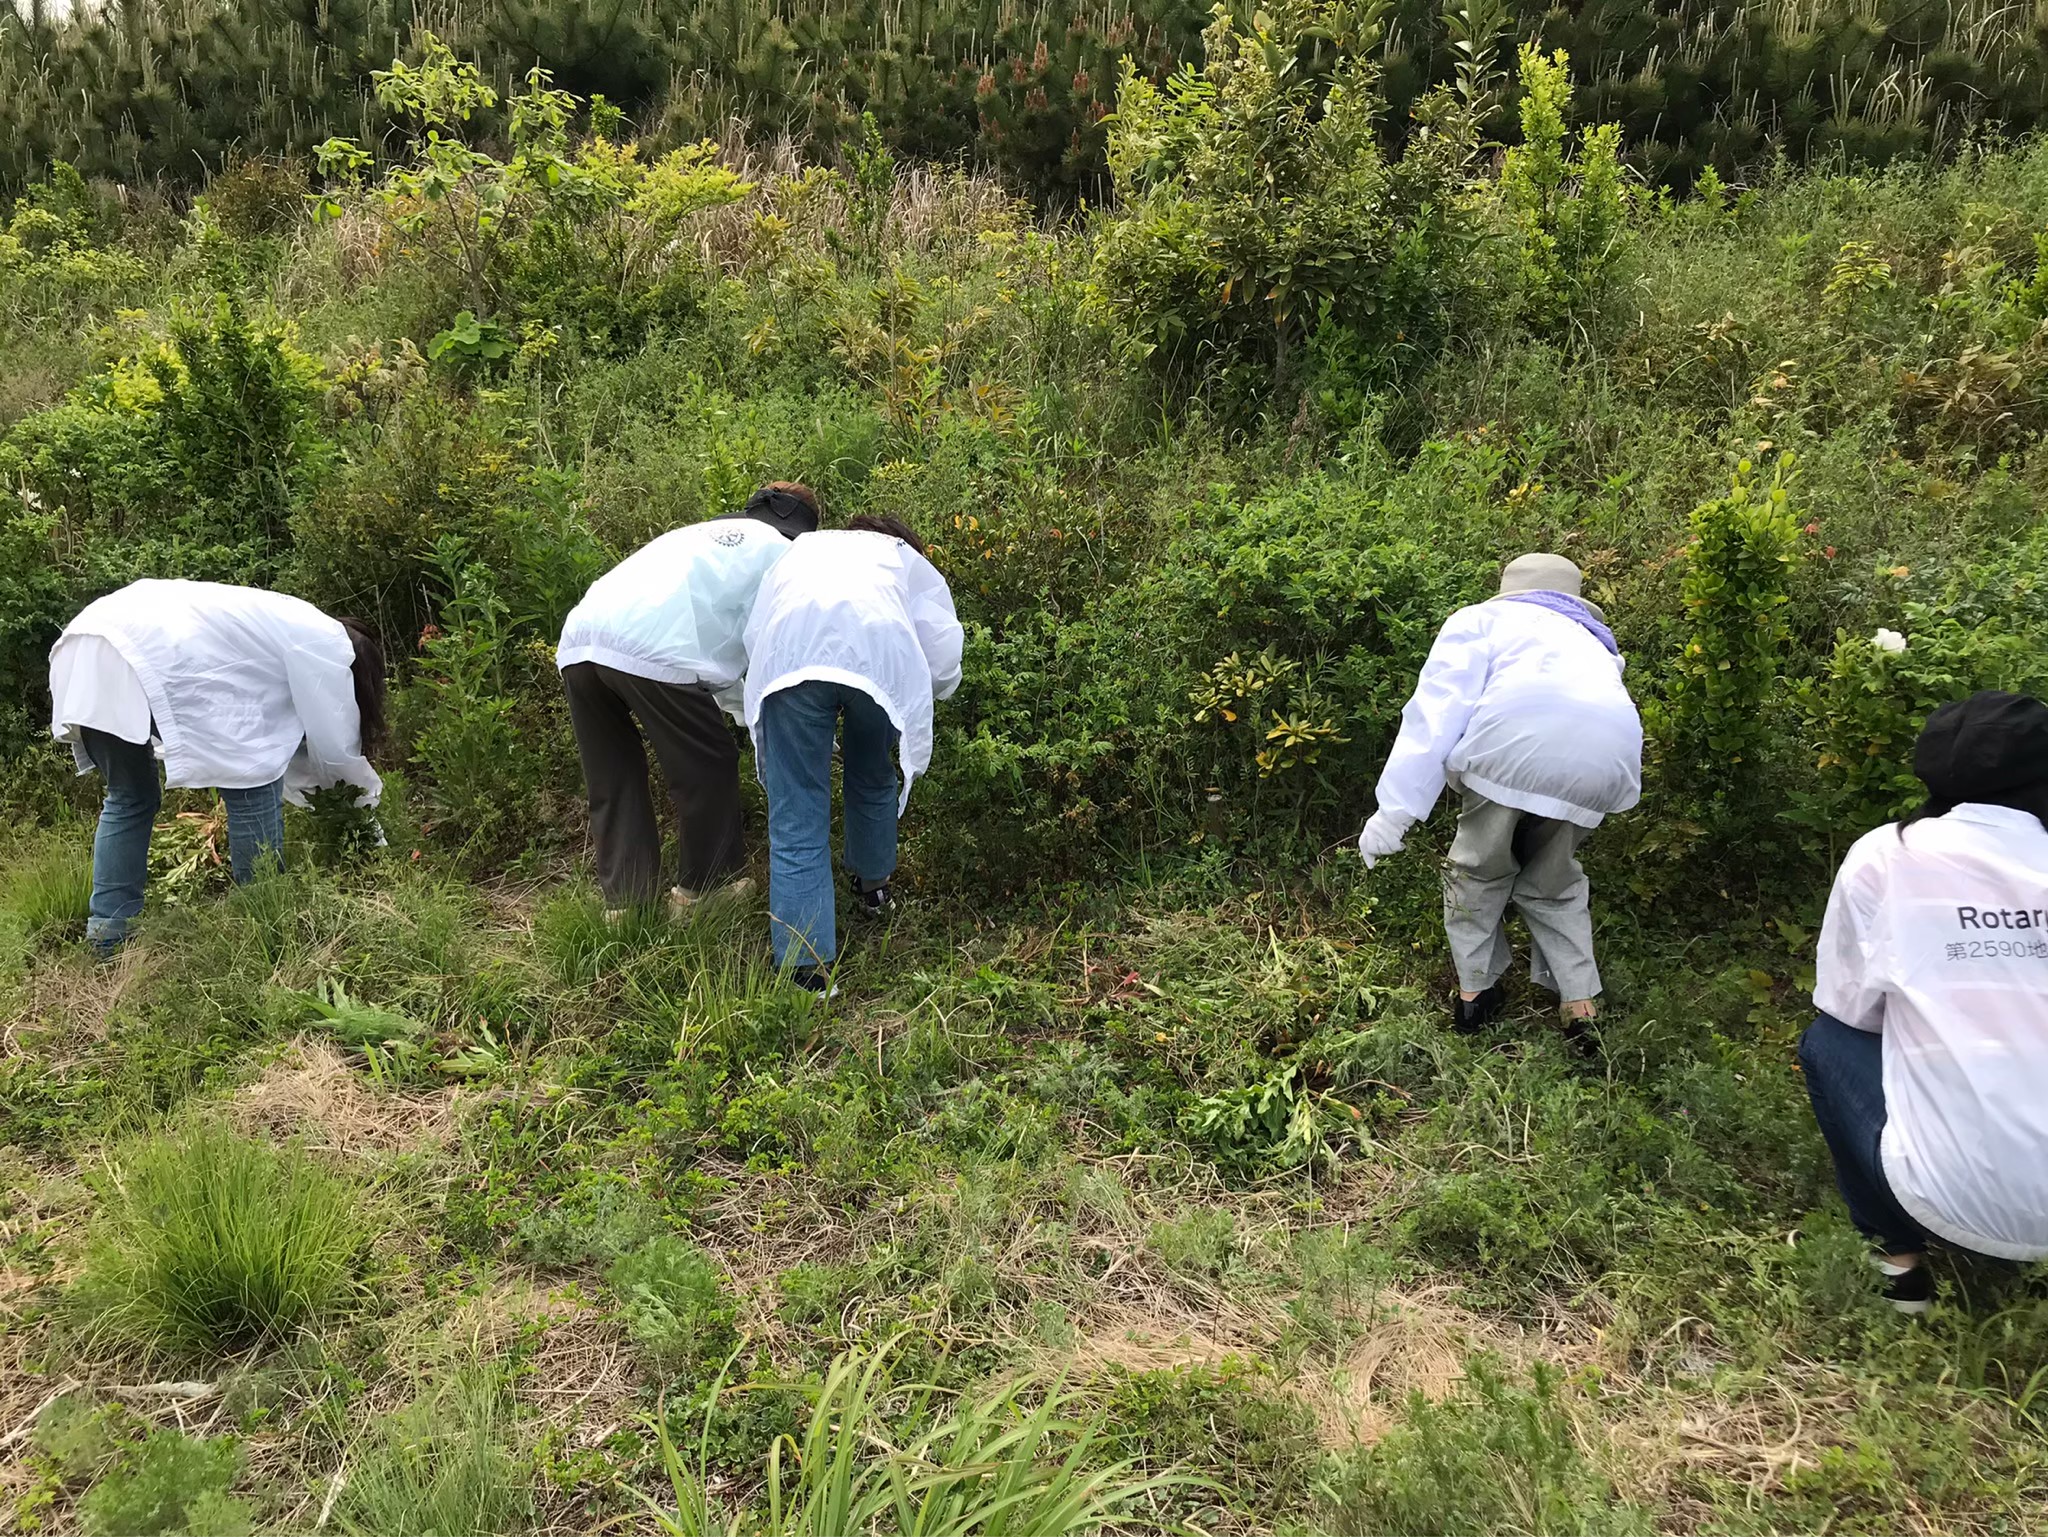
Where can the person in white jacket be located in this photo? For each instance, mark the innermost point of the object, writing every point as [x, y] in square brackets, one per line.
[1522, 709]
[1928, 1064]
[254, 694]
[853, 634]
[657, 646]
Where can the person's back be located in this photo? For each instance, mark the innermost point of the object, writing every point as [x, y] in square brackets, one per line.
[864, 609]
[1938, 938]
[1554, 730]
[675, 610]
[244, 685]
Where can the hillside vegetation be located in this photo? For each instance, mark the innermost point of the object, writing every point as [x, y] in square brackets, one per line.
[1133, 1180]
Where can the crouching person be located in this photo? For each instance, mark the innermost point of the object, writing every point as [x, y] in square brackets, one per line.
[1928, 1064]
[853, 636]
[658, 646]
[1521, 709]
[254, 694]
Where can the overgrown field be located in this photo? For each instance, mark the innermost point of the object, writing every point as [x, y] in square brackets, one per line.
[1133, 1179]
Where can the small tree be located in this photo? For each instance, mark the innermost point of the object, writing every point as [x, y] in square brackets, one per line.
[1715, 714]
[1572, 210]
[1257, 203]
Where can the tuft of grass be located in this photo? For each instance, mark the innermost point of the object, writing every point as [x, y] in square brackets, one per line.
[50, 888]
[444, 1464]
[1497, 1458]
[993, 1465]
[208, 1243]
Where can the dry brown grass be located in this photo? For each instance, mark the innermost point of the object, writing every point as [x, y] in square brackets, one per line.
[310, 1092]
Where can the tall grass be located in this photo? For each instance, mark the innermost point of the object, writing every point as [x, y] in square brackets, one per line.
[995, 1466]
[208, 1243]
[49, 889]
[443, 1465]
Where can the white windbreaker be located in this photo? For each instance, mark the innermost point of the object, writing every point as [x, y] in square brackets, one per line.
[676, 609]
[1939, 941]
[864, 609]
[1527, 708]
[243, 686]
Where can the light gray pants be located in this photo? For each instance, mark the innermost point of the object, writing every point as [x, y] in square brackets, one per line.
[1502, 855]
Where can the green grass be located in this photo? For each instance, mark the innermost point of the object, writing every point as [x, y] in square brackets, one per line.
[49, 888]
[208, 1242]
[446, 1463]
[1008, 1462]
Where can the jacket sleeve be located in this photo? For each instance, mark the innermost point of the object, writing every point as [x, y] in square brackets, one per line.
[1433, 721]
[938, 628]
[1846, 983]
[324, 696]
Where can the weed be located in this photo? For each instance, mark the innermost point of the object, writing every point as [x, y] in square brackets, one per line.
[207, 1243]
[50, 888]
[445, 1463]
[674, 1304]
[171, 1485]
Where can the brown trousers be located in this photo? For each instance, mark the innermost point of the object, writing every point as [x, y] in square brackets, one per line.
[700, 762]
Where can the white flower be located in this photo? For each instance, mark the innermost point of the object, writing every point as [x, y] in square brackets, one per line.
[1889, 640]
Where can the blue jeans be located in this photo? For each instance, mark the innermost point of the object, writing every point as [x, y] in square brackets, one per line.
[120, 846]
[1844, 1071]
[793, 743]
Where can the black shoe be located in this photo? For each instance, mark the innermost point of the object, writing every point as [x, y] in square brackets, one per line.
[1908, 1291]
[871, 899]
[816, 981]
[1581, 1035]
[1468, 1015]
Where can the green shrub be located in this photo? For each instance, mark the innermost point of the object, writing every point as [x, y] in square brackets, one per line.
[674, 1304]
[207, 1243]
[1257, 203]
[172, 1485]
[1571, 210]
[445, 1464]
[1496, 1458]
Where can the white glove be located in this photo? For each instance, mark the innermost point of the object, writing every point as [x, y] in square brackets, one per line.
[1383, 833]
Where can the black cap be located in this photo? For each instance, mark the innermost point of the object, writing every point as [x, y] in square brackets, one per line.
[1985, 748]
[784, 511]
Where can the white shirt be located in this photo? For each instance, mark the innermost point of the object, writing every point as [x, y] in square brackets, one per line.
[1524, 706]
[676, 609]
[1940, 942]
[864, 609]
[243, 687]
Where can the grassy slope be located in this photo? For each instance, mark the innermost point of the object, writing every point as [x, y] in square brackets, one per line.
[1011, 1138]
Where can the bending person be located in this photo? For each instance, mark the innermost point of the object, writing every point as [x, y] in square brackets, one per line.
[1521, 708]
[853, 634]
[1928, 1065]
[656, 646]
[254, 694]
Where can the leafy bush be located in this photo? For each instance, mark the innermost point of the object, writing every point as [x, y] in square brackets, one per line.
[1571, 210]
[1715, 716]
[1258, 204]
[207, 1243]
[674, 1305]
[172, 1485]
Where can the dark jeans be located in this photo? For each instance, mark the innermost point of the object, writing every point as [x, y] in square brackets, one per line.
[793, 741]
[700, 762]
[1844, 1069]
[120, 846]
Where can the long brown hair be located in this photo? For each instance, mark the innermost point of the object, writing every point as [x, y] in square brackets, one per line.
[368, 672]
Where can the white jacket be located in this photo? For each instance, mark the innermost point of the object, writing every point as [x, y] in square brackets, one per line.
[1525, 707]
[1939, 941]
[243, 686]
[676, 609]
[864, 609]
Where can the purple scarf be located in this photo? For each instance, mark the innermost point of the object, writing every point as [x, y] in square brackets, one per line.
[1578, 610]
